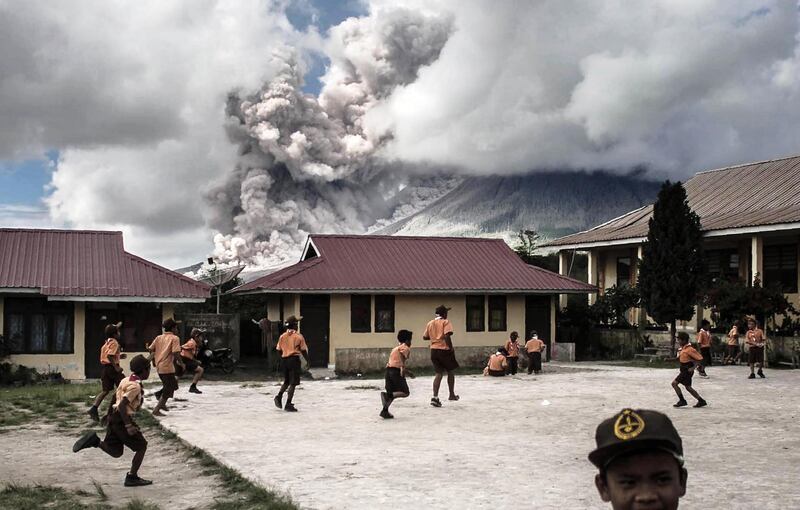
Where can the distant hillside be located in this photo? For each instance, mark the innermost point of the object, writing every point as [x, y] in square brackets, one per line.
[554, 204]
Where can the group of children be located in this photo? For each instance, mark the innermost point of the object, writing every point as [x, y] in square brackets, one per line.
[170, 359]
[506, 360]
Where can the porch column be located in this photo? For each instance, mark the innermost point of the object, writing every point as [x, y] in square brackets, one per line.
[640, 316]
[757, 258]
[593, 269]
[563, 269]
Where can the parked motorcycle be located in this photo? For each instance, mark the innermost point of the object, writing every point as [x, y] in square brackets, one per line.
[222, 358]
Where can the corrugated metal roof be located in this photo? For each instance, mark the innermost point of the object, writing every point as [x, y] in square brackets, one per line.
[751, 195]
[83, 263]
[405, 264]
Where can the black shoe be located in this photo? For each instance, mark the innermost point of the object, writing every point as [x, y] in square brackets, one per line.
[761, 374]
[135, 481]
[89, 440]
[701, 403]
[93, 414]
[703, 374]
[193, 389]
[158, 394]
[290, 408]
[681, 403]
[435, 402]
[385, 399]
[752, 376]
[278, 401]
[386, 415]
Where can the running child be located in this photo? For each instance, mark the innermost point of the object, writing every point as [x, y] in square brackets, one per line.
[756, 342]
[512, 347]
[189, 352]
[498, 363]
[534, 347]
[396, 373]
[111, 371]
[704, 342]
[122, 430]
[166, 350]
[291, 345]
[733, 352]
[439, 332]
[689, 358]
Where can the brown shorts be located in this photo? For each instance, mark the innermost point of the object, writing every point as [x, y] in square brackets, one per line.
[291, 367]
[110, 377]
[755, 355]
[444, 360]
[497, 373]
[191, 364]
[117, 437]
[733, 350]
[395, 382]
[169, 384]
[685, 377]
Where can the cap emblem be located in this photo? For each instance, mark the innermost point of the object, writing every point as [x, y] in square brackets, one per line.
[628, 425]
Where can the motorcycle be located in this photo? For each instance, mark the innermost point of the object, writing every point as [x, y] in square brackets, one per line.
[222, 358]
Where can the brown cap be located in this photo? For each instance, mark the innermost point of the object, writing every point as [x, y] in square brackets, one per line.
[441, 309]
[635, 430]
[292, 319]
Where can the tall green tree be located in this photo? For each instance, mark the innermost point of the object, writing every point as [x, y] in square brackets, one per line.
[672, 269]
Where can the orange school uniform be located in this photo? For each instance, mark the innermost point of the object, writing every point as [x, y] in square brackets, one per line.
[512, 348]
[164, 349]
[291, 343]
[703, 338]
[733, 336]
[755, 337]
[189, 349]
[110, 348]
[437, 331]
[398, 356]
[688, 353]
[534, 345]
[497, 362]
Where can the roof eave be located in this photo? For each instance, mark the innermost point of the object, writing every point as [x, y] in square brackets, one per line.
[418, 291]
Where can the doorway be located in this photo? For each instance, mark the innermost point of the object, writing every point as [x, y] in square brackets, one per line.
[537, 317]
[315, 327]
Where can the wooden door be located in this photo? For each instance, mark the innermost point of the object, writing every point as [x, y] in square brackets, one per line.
[537, 317]
[315, 327]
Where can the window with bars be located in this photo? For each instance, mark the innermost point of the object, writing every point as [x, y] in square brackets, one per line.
[476, 313]
[38, 326]
[723, 264]
[360, 313]
[497, 313]
[780, 267]
[384, 314]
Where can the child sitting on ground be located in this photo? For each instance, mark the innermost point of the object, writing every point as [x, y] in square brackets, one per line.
[497, 363]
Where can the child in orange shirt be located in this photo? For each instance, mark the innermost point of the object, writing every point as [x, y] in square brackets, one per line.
[111, 373]
[512, 347]
[189, 352]
[704, 342]
[756, 343]
[689, 358]
[497, 363]
[396, 372]
[291, 345]
[534, 347]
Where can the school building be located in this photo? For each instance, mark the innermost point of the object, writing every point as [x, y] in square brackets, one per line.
[60, 288]
[356, 292]
[750, 217]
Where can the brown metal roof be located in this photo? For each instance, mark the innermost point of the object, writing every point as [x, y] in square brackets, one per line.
[347, 263]
[83, 263]
[751, 195]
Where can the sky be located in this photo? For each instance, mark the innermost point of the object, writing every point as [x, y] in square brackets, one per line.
[233, 129]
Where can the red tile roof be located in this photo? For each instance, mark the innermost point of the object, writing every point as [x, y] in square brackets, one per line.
[82, 263]
[347, 263]
[752, 195]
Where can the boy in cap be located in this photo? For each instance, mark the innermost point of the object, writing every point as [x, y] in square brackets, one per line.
[756, 342]
[534, 347]
[166, 349]
[291, 345]
[497, 363]
[689, 358]
[111, 372]
[122, 430]
[396, 372]
[439, 332]
[189, 352]
[704, 342]
[512, 347]
[639, 456]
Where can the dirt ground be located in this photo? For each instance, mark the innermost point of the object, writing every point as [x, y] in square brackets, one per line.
[516, 442]
[41, 455]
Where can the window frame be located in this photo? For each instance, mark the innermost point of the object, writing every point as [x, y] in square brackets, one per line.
[473, 308]
[384, 302]
[625, 281]
[781, 275]
[366, 327]
[494, 304]
[51, 310]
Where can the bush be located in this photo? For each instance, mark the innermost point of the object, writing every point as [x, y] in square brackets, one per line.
[732, 301]
[17, 375]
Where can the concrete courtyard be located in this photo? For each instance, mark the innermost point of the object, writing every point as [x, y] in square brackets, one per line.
[515, 442]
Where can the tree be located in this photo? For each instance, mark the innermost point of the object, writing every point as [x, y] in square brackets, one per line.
[527, 241]
[611, 308]
[732, 301]
[672, 268]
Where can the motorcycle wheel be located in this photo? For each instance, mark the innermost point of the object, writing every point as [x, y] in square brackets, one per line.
[228, 366]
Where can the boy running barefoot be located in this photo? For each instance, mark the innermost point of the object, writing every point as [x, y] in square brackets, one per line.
[640, 458]
[756, 342]
[439, 332]
[704, 342]
[534, 347]
[689, 358]
[189, 352]
[512, 347]
[122, 430]
[111, 373]
[291, 344]
[166, 349]
[396, 372]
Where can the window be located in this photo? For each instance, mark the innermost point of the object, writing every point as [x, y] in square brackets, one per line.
[360, 313]
[384, 314]
[497, 313]
[475, 313]
[780, 267]
[38, 326]
[623, 271]
[723, 264]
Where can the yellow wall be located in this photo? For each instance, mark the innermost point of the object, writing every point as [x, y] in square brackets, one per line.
[412, 312]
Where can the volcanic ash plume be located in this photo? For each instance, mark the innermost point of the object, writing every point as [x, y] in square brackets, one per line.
[309, 164]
